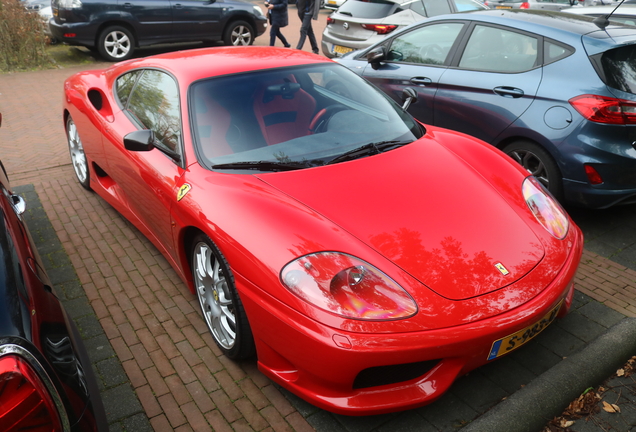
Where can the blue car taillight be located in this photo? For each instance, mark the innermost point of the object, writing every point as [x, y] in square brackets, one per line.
[602, 109]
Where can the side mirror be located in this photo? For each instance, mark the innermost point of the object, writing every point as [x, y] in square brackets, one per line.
[375, 56]
[409, 96]
[141, 140]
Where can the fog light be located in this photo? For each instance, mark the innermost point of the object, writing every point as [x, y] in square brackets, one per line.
[592, 175]
[69, 35]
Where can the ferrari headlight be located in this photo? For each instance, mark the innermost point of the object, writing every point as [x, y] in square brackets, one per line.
[347, 286]
[545, 208]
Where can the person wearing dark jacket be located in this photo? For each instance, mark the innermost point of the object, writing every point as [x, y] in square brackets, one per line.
[278, 18]
[308, 10]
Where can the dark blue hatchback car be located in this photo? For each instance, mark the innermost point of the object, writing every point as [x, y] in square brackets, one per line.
[552, 90]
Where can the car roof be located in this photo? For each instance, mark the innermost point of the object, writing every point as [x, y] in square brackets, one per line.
[192, 65]
[557, 25]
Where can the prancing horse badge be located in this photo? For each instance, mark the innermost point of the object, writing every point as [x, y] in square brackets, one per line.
[504, 271]
[183, 190]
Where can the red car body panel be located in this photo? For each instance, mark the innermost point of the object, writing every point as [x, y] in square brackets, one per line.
[445, 210]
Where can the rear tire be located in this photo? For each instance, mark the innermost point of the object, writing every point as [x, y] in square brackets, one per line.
[116, 43]
[539, 163]
[239, 33]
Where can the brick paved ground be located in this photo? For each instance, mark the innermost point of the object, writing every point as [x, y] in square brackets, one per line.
[156, 333]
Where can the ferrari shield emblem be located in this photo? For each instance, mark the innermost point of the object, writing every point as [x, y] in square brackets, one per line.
[183, 190]
[504, 271]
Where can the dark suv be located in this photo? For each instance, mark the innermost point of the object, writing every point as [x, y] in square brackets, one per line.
[116, 27]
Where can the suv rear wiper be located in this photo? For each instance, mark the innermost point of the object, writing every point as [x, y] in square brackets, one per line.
[264, 165]
[368, 150]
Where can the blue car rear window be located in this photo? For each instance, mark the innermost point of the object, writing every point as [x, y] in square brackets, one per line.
[619, 67]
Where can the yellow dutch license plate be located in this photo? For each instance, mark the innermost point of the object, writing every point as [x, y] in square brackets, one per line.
[503, 7]
[332, 2]
[512, 342]
[341, 50]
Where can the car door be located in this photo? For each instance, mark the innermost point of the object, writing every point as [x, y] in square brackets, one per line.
[152, 18]
[417, 59]
[490, 83]
[197, 19]
[146, 181]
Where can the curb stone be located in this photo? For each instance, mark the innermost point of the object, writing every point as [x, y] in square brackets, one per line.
[530, 408]
[123, 409]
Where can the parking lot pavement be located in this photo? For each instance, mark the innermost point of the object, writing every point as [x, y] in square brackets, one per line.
[174, 378]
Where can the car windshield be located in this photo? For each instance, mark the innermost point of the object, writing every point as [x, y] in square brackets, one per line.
[293, 118]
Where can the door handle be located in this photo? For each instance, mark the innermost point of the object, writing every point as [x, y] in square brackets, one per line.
[178, 6]
[512, 92]
[421, 80]
[127, 5]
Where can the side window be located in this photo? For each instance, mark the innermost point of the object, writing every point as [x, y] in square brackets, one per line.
[155, 105]
[124, 85]
[436, 7]
[468, 5]
[499, 50]
[627, 20]
[425, 45]
[553, 52]
[418, 7]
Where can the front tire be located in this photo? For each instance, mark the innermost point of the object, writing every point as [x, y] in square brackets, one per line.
[116, 43]
[539, 163]
[220, 303]
[239, 33]
[78, 157]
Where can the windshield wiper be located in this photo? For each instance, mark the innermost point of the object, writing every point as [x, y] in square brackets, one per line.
[264, 165]
[368, 150]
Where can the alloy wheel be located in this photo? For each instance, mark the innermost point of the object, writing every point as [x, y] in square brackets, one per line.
[117, 44]
[214, 295]
[78, 157]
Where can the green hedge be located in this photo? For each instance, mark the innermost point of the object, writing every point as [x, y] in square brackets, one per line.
[22, 42]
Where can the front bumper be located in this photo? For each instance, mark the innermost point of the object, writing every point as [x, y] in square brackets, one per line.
[332, 368]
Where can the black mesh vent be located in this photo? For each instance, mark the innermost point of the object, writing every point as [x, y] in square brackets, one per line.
[383, 375]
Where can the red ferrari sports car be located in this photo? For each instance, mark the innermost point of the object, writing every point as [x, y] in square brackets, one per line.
[366, 259]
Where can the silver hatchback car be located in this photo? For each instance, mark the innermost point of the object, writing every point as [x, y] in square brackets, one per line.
[358, 24]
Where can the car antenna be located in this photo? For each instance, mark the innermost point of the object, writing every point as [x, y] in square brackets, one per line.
[603, 20]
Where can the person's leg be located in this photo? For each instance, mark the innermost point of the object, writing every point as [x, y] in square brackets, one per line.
[303, 30]
[282, 38]
[272, 35]
[312, 39]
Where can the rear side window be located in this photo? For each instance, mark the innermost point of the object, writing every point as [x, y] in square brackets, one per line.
[619, 67]
[553, 52]
[368, 8]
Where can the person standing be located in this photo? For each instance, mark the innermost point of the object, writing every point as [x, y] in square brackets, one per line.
[308, 10]
[277, 10]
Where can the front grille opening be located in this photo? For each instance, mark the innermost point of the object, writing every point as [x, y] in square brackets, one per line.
[383, 375]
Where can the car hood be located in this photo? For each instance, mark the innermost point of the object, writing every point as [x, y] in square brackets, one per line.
[427, 211]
